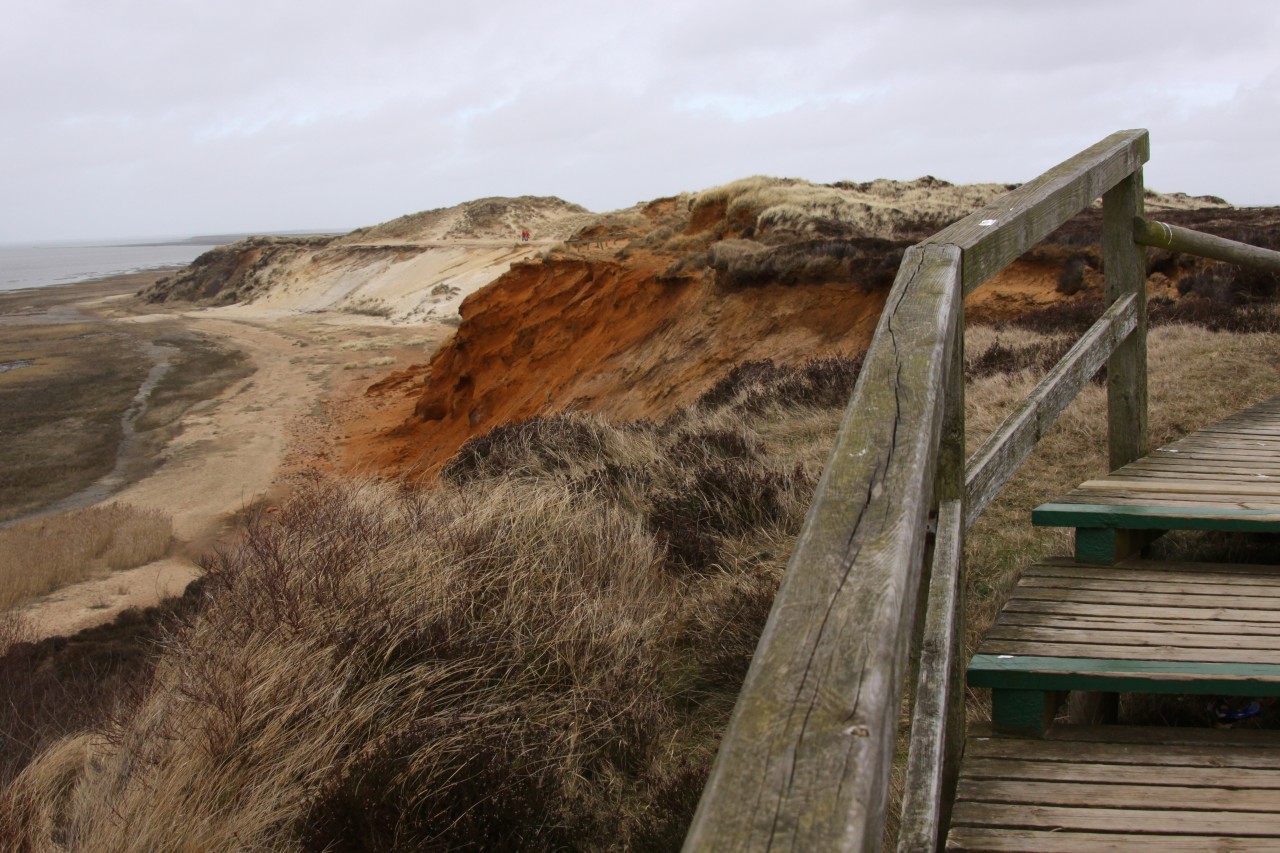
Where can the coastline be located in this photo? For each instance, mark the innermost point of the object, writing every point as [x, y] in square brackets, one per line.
[209, 450]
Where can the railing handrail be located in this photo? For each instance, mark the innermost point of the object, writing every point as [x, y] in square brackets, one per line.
[805, 761]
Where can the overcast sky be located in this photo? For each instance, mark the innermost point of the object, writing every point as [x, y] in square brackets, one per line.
[178, 117]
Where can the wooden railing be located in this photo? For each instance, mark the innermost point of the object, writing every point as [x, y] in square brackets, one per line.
[805, 762]
[806, 759]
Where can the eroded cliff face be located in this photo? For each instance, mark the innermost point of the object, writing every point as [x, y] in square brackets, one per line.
[633, 314]
[615, 337]
[642, 330]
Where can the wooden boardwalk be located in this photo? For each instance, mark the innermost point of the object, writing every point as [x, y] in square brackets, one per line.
[1109, 622]
[1223, 477]
[1119, 788]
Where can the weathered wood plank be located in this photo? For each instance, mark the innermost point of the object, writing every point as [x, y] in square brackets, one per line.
[1129, 514]
[1161, 586]
[1097, 649]
[1220, 646]
[1120, 795]
[1143, 597]
[1014, 619]
[1223, 822]
[1213, 573]
[805, 760]
[1177, 239]
[1144, 774]
[1073, 608]
[1136, 745]
[995, 235]
[937, 717]
[999, 457]
[1178, 499]
[1124, 265]
[1051, 672]
[1058, 840]
[1186, 487]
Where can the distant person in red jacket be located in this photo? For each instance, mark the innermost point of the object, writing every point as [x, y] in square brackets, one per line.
[524, 235]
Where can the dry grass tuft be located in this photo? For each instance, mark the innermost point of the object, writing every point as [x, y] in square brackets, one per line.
[42, 555]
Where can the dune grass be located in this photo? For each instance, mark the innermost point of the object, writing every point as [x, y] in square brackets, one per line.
[42, 555]
[538, 654]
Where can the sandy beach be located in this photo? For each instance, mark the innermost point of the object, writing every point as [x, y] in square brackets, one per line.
[303, 378]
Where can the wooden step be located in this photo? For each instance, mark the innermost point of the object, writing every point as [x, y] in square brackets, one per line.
[1119, 788]
[1140, 627]
[1225, 476]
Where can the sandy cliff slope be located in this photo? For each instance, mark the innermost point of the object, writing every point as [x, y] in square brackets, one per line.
[413, 269]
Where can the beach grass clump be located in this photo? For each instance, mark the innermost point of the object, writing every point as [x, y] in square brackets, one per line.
[367, 306]
[45, 554]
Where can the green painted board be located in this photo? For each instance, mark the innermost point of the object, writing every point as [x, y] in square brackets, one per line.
[1155, 517]
[1032, 672]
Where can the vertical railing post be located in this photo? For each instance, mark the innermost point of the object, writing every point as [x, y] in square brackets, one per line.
[1124, 264]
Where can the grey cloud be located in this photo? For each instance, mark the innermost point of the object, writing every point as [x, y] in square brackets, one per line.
[130, 118]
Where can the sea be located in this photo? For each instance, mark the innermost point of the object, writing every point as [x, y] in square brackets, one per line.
[40, 265]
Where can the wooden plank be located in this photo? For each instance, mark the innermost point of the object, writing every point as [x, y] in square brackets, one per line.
[937, 735]
[1185, 487]
[1124, 266]
[1181, 500]
[804, 763]
[1006, 449]
[1178, 239]
[1058, 840]
[995, 235]
[1139, 570]
[1223, 644]
[1119, 795]
[1028, 672]
[1014, 619]
[1201, 601]
[1137, 516]
[1232, 659]
[1136, 746]
[1074, 608]
[1175, 500]
[1161, 586]
[1224, 822]
[1145, 774]
[1221, 572]
[1206, 473]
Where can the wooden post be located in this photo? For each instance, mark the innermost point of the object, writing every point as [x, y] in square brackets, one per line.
[1124, 263]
